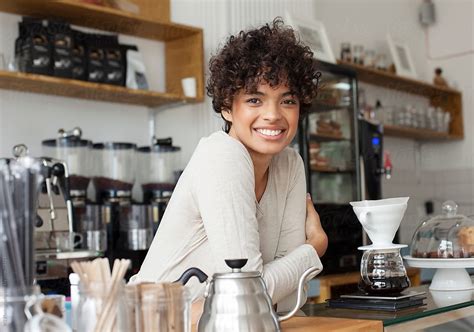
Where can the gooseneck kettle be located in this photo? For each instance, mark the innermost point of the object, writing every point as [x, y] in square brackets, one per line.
[239, 301]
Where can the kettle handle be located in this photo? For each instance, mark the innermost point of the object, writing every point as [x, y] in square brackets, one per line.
[300, 293]
[192, 272]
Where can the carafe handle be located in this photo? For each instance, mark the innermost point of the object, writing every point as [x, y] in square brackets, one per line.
[300, 293]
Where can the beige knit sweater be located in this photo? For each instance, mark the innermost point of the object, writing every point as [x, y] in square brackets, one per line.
[213, 215]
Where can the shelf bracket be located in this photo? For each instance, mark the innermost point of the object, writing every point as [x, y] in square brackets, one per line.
[153, 111]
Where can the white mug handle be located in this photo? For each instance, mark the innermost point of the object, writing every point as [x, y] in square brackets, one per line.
[79, 241]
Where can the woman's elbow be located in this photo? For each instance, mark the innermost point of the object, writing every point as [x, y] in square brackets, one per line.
[320, 243]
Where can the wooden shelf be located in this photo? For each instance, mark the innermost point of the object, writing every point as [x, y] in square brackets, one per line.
[184, 53]
[100, 17]
[85, 90]
[450, 100]
[329, 169]
[326, 138]
[396, 82]
[319, 106]
[421, 134]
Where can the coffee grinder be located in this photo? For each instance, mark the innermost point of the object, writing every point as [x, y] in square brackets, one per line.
[158, 173]
[129, 231]
[76, 153]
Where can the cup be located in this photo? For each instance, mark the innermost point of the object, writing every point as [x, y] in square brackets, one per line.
[67, 241]
[189, 86]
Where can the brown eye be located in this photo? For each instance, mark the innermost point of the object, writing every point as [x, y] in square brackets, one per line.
[253, 101]
[290, 101]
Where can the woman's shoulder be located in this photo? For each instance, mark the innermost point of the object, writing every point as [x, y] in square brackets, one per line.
[288, 159]
[219, 146]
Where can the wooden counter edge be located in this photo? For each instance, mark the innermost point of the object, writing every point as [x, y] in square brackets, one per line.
[310, 324]
[307, 324]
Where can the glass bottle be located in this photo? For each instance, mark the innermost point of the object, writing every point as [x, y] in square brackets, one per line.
[381, 62]
[346, 55]
[369, 58]
[358, 55]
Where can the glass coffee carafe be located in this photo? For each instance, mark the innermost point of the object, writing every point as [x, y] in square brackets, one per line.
[382, 272]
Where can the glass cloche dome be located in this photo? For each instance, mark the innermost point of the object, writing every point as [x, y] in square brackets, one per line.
[449, 235]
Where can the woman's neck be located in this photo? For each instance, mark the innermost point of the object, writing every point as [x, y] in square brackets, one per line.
[260, 165]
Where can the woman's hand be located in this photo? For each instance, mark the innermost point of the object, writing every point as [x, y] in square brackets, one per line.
[315, 234]
[196, 311]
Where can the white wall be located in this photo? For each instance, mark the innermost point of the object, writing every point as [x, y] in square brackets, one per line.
[454, 33]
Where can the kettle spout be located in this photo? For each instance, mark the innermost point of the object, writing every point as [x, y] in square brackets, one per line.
[299, 299]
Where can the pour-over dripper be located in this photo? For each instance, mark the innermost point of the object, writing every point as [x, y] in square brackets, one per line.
[381, 218]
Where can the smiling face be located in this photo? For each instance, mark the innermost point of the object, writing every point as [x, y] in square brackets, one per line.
[265, 120]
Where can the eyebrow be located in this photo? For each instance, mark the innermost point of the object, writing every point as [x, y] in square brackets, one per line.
[260, 93]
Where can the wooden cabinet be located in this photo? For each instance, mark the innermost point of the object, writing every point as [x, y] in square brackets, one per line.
[184, 55]
[448, 99]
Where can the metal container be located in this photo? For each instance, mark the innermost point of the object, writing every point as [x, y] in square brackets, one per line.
[93, 228]
[136, 229]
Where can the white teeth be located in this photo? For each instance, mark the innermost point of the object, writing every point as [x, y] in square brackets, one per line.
[269, 132]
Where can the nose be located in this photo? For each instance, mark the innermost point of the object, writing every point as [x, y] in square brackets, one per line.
[272, 112]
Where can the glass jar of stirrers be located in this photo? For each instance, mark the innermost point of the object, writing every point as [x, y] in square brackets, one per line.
[92, 304]
[160, 306]
[102, 306]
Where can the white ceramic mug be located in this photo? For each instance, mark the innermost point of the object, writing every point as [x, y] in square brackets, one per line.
[189, 86]
[67, 241]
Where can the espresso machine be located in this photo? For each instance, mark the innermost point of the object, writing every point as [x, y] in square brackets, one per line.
[158, 167]
[128, 224]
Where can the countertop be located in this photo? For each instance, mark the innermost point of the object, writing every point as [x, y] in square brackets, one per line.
[307, 324]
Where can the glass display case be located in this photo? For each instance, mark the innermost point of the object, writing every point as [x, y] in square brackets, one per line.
[328, 136]
[329, 144]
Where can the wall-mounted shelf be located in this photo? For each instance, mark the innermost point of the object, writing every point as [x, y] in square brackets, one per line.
[448, 99]
[184, 55]
[330, 169]
[319, 106]
[85, 90]
[326, 138]
[421, 134]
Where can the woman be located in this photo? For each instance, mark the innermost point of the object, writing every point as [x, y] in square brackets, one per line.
[243, 193]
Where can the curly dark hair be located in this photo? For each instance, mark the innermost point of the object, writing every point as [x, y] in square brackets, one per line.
[271, 53]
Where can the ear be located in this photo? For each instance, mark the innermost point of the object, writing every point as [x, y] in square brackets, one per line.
[227, 115]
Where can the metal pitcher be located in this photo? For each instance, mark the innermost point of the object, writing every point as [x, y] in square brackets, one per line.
[239, 301]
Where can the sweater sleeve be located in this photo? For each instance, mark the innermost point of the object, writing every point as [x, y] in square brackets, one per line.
[224, 191]
[292, 234]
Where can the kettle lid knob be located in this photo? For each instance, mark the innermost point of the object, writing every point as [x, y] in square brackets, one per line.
[236, 264]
